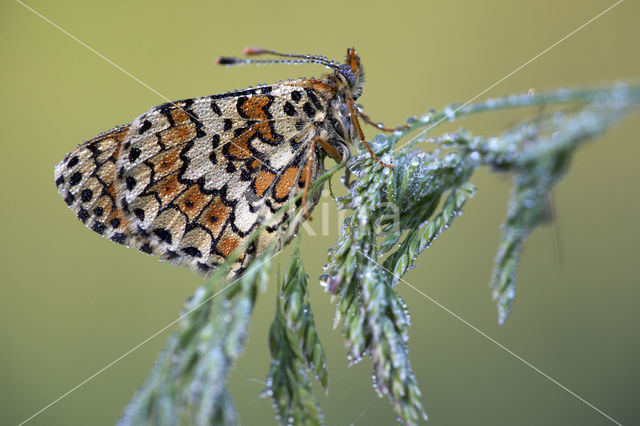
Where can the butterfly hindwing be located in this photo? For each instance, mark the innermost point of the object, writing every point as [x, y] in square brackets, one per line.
[86, 179]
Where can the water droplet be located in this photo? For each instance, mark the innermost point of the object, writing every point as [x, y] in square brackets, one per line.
[493, 143]
[450, 113]
[324, 280]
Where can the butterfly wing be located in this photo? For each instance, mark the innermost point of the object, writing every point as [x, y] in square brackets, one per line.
[191, 180]
[86, 181]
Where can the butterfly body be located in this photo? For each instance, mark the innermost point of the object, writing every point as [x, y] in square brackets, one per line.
[190, 181]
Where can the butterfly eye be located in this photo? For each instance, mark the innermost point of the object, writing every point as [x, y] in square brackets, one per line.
[348, 74]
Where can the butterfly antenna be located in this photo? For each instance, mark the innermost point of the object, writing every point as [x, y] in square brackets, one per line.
[293, 59]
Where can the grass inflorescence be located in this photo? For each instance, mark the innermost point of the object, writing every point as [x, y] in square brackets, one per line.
[397, 214]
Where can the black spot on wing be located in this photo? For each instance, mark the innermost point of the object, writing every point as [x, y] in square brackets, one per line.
[99, 227]
[296, 96]
[130, 181]
[86, 195]
[314, 98]
[134, 154]
[119, 238]
[72, 161]
[163, 234]
[289, 109]
[146, 125]
[192, 251]
[139, 213]
[308, 109]
[75, 178]
[215, 108]
[83, 214]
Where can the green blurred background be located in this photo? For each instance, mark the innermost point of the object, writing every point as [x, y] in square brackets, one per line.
[71, 302]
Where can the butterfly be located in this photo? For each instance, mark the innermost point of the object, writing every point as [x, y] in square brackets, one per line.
[190, 181]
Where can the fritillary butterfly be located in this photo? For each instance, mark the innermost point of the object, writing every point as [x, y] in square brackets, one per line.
[189, 181]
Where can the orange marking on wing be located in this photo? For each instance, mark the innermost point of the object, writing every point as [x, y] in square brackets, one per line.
[286, 182]
[119, 219]
[119, 134]
[303, 174]
[265, 130]
[166, 163]
[254, 109]
[179, 134]
[109, 140]
[239, 147]
[227, 245]
[116, 135]
[179, 116]
[111, 190]
[255, 164]
[116, 151]
[263, 181]
[116, 213]
[122, 133]
[167, 189]
[215, 216]
[192, 201]
[105, 203]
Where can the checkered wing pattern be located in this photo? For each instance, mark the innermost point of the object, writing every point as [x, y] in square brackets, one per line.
[190, 181]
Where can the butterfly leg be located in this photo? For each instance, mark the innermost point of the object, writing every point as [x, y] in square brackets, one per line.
[356, 123]
[307, 173]
[368, 120]
[333, 153]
